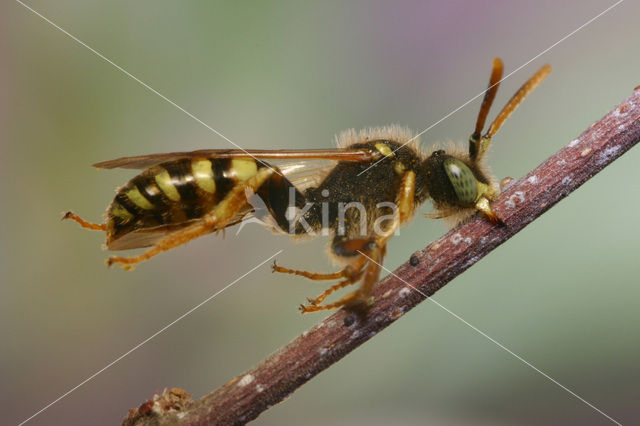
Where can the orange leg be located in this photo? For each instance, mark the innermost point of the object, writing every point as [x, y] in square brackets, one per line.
[348, 299]
[84, 223]
[439, 215]
[217, 219]
[367, 271]
[347, 272]
[370, 272]
[173, 240]
[483, 206]
[335, 287]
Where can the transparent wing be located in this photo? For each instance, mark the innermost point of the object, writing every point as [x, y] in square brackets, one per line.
[145, 161]
[305, 174]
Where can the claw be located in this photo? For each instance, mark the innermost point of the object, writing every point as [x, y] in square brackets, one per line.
[115, 259]
[496, 220]
[483, 205]
[88, 225]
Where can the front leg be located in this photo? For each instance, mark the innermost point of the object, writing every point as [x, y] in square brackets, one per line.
[482, 204]
[405, 206]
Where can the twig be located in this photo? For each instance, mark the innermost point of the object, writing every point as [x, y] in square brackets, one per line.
[246, 396]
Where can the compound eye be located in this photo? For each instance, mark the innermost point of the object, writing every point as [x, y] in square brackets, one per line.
[462, 179]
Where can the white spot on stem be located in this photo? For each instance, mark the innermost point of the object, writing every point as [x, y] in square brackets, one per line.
[606, 155]
[246, 380]
[516, 198]
[403, 292]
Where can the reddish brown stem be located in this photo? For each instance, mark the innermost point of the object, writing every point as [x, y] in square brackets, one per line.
[244, 397]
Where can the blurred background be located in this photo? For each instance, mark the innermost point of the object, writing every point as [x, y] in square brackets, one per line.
[563, 293]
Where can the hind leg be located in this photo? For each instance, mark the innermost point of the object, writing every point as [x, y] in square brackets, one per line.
[84, 223]
[205, 226]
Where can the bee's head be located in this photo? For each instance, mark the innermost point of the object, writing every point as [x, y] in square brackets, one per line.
[451, 181]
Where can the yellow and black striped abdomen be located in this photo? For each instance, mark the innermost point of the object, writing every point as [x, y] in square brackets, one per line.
[173, 193]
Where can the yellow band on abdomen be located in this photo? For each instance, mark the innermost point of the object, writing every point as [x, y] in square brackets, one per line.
[203, 174]
[138, 199]
[243, 169]
[163, 179]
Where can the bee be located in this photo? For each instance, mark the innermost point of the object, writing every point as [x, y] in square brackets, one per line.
[360, 193]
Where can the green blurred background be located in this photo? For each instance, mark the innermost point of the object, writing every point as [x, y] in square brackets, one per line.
[563, 293]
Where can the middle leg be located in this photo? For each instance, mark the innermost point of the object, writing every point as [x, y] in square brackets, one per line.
[340, 247]
[345, 272]
[361, 251]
